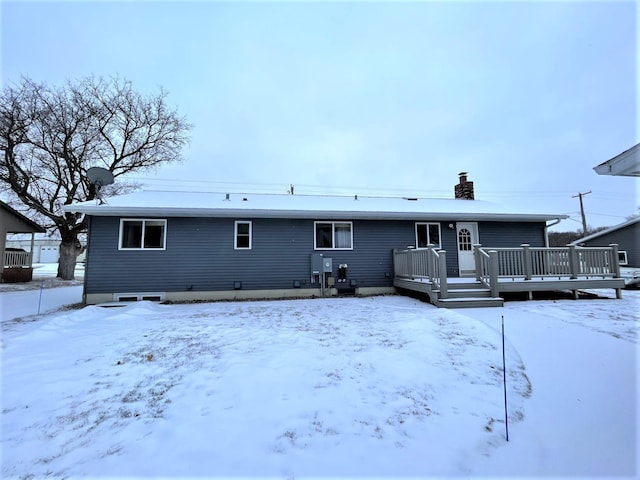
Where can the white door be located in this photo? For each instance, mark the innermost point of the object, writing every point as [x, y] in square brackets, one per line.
[467, 237]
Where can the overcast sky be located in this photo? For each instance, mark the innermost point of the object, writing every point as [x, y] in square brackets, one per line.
[367, 98]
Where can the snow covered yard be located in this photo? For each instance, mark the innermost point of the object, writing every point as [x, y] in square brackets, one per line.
[45, 293]
[382, 386]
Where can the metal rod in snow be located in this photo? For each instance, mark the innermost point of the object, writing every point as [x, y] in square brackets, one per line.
[504, 384]
[40, 299]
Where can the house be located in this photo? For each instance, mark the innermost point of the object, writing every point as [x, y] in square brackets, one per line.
[46, 249]
[17, 262]
[627, 237]
[182, 246]
[625, 164]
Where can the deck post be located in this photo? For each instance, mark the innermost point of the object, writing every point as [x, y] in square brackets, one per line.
[526, 260]
[615, 260]
[493, 272]
[430, 267]
[478, 262]
[394, 256]
[409, 263]
[33, 238]
[442, 267]
[573, 262]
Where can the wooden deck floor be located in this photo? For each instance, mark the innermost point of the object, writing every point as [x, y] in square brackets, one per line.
[468, 292]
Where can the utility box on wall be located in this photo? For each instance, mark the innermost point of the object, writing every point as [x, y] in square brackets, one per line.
[316, 263]
[321, 264]
[327, 265]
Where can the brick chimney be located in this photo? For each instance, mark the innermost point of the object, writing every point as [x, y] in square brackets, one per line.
[464, 189]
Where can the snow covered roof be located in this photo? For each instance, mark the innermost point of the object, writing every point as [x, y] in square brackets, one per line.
[209, 204]
[625, 164]
[606, 231]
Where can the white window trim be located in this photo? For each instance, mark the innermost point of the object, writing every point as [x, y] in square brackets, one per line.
[333, 234]
[622, 257]
[427, 224]
[142, 247]
[235, 234]
[140, 296]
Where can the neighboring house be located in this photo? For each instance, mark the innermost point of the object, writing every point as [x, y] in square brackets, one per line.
[195, 245]
[626, 236]
[45, 249]
[626, 164]
[16, 263]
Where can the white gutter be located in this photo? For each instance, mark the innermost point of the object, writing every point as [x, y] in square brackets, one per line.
[121, 211]
[546, 230]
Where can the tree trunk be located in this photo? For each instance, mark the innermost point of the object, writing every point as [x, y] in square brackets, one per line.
[70, 248]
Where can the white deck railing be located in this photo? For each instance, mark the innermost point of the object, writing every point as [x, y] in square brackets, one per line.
[17, 259]
[487, 266]
[429, 264]
[524, 263]
[527, 262]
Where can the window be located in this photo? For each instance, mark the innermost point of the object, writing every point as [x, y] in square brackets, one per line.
[427, 233]
[139, 234]
[137, 297]
[333, 235]
[622, 257]
[464, 240]
[243, 235]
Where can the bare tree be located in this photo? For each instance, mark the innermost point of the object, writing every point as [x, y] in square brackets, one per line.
[51, 136]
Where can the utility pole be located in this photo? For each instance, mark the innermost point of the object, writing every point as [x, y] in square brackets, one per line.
[584, 219]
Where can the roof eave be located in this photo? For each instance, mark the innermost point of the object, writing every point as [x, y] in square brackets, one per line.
[35, 227]
[104, 210]
[626, 164]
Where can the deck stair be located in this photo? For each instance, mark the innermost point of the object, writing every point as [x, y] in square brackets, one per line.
[470, 294]
[461, 293]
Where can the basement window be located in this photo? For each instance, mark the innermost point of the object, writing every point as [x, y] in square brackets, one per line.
[142, 234]
[427, 233]
[139, 296]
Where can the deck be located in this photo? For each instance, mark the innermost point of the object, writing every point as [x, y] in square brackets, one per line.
[16, 267]
[507, 270]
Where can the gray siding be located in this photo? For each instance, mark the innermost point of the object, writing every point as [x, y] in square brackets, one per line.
[492, 234]
[627, 238]
[200, 254]
[511, 234]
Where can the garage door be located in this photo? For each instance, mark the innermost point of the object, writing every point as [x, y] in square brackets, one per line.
[48, 254]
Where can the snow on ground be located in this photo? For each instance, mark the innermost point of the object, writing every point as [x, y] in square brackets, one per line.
[45, 293]
[382, 386]
[582, 360]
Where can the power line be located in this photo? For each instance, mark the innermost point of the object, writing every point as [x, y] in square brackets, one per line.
[352, 188]
[607, 215]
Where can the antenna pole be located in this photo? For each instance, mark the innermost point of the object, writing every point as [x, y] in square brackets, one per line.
[584, 219]
[504, 385]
